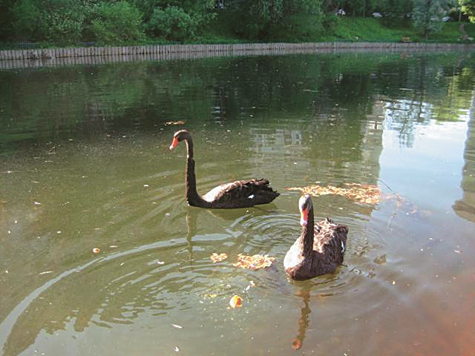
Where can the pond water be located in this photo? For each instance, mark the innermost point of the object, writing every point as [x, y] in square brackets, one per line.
[84, 164]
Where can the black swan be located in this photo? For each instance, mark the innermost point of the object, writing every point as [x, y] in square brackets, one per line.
[239, 194]
[319, 249]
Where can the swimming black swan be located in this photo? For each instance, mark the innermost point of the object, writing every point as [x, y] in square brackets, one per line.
[319, 249]
[239, 194]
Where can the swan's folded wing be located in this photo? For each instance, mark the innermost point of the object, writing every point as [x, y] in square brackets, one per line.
[330, 238]
[252, 190]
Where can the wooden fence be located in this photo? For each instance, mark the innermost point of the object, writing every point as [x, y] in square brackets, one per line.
[26, 58]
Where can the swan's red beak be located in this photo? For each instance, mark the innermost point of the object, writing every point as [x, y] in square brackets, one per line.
[304, 217]
[174, 143]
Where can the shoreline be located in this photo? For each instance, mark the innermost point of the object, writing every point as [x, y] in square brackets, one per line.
[51, 57]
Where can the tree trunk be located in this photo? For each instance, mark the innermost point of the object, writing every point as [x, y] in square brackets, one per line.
[464, 33]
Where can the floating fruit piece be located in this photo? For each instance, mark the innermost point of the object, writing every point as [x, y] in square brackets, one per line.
[235, 302]
[296, 344]
[218, 258]
[96, 250]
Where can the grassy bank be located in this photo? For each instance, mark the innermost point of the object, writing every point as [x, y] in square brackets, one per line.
[353, 29]
[373, 30]
[341, 30]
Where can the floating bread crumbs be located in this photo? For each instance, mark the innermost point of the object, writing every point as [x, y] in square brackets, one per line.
[254, 262]
[218, 257]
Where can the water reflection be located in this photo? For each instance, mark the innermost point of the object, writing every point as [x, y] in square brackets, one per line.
[103, 292]
[404, 116]
[465, 207]
[86, 166]
[303, 323]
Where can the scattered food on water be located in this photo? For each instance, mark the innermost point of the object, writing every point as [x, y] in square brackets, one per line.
[174, 123]
[380, 260]
[365, 194]
[360, 193]
[218, 257]
[254, 262]
[251, 284]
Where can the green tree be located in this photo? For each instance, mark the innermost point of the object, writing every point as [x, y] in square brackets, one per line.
[25, 19]
[6, 24]
[58, 21]
[173, 24]
[191, 7]
[395, 12]
[117, 23]
[468, 8]
[263, 19]
[355, 7]
[427, 15]
[62, 21]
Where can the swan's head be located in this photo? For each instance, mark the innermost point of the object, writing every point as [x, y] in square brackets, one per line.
[179, 136]
[305, 205]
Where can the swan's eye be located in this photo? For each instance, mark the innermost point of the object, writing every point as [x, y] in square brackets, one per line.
[305, 202]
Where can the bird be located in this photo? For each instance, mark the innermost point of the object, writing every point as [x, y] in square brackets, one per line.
[319, 249]
[238, 194]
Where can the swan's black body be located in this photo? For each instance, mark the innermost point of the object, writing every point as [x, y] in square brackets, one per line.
[319, 249]
[239, 194]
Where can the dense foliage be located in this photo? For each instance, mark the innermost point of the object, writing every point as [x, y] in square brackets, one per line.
[71, 22]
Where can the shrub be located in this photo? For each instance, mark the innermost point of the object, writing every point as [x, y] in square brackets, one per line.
[25, 23]
[117, 23]
[62, 27]
[174, 24]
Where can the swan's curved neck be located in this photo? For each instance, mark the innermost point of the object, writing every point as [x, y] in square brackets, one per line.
[189, 146]
[308, 235]
[191, 193]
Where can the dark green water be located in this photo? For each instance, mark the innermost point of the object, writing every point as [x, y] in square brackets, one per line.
[84, 164]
